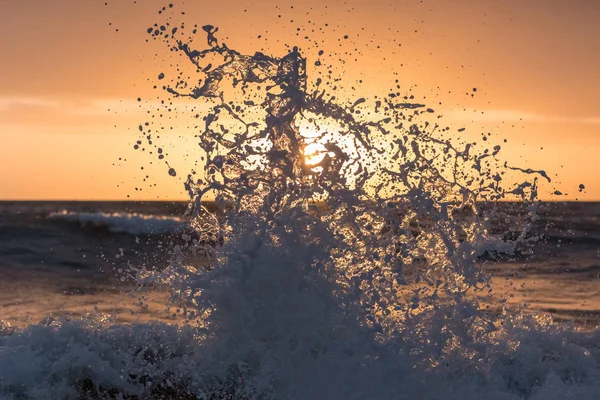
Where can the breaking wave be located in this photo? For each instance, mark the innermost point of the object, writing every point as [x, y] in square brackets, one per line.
[128, 223]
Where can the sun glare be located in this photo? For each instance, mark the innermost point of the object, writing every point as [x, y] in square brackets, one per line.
[314, 151]
[314, 154]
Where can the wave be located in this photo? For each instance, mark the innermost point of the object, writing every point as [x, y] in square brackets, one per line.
[127, 223]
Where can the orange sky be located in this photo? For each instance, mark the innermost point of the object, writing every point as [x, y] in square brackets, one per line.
[69, 81]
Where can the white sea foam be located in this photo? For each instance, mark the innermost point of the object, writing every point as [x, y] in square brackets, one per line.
[523, 359]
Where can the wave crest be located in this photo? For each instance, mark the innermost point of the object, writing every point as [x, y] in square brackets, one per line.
[128, 223]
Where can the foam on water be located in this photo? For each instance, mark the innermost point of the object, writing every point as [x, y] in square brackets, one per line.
[348, 267]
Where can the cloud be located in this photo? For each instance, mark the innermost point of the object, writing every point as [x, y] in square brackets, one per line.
[112, 107]
[591, 120]
[8, 103]
[109, 107]
[74, 106]
[492, 116]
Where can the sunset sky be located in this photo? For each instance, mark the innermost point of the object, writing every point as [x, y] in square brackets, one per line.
[72, 71]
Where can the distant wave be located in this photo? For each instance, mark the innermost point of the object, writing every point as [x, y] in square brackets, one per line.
[129, 223]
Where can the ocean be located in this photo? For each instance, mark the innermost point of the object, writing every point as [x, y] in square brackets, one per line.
[69, 258]
[64, 250]
[67, 262]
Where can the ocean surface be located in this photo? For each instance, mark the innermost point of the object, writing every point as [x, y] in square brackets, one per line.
[72, 258]
[81, 235]
[75, 261]
[74, 248]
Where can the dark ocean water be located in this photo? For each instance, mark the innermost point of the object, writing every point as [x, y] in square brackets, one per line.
[84, 235]
[88, 235]
[97, 242]
[69, 258]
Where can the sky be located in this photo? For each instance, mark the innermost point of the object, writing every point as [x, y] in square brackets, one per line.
[73, 70]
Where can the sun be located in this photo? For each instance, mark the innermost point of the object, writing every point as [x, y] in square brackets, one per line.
[324, 151]
[314, 150]
[314, 153]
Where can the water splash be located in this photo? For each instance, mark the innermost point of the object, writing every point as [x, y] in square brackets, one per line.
[352, 232]
[377, 190]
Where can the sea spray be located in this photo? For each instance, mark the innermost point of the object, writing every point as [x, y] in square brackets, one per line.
[360, 251]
